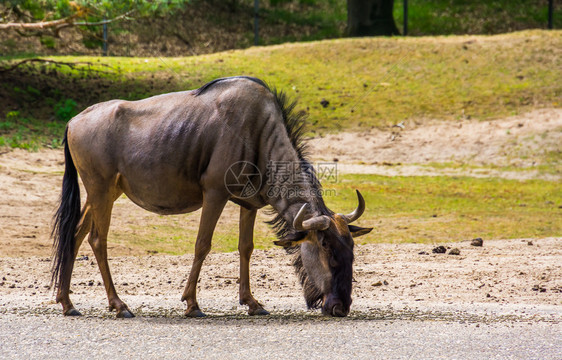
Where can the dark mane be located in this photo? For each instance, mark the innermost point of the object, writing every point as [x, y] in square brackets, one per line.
[295, 124]
[210, 84]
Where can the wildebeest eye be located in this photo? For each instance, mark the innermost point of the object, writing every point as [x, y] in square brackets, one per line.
[323, 241]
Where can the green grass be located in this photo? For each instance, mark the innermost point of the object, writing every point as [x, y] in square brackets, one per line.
[29, 133]
[420, 209]
[442, 17]
[435, 17]
[320, 19]
[547, 163]
[177, 234]
[368, 82]
[440, 209]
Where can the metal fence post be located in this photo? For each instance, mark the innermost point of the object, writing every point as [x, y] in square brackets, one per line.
[406, 17]
[550, 13]
[104, 38]
[256, 22]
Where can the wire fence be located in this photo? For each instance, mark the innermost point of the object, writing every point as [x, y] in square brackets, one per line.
[413, 18]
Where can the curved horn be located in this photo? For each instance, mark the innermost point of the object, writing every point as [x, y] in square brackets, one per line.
[356, 214]
[321, 222]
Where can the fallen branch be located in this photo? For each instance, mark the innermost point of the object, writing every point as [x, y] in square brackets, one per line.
[72, 65]
[60, 23]
[38, 25]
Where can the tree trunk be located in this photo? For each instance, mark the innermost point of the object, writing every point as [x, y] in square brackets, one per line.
[371, 18]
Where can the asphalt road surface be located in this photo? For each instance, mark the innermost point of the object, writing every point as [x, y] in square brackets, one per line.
[448, 332]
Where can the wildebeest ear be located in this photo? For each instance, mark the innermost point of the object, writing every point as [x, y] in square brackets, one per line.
[358, 231]
[291, 239]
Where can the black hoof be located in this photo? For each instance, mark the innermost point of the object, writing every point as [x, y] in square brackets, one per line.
[195, 314]
[72, 312]
[258, 312]
[125, 314]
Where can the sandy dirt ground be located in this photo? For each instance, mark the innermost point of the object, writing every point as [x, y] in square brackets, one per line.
[500, 272]
[519, 141]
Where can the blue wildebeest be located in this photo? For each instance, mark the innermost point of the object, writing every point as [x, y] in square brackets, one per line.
[176, 153]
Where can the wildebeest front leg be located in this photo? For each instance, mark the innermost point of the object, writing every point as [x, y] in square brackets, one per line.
[213, 204]
[246, 247]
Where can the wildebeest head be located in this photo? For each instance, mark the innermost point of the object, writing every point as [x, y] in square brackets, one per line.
[325, 260]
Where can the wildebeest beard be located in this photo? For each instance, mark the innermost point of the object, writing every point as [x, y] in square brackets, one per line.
[312, 295]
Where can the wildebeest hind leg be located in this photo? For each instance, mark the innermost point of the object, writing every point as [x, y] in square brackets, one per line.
[245, 248]
[63, 292]
[213, 204]
[102, 205]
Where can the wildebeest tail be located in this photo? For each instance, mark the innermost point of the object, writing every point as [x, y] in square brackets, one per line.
[66, 219]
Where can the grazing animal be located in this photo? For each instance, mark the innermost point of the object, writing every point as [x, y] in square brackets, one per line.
[178, 152]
